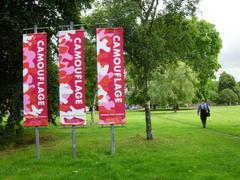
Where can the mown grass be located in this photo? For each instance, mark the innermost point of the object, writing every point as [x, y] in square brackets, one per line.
[181, 149]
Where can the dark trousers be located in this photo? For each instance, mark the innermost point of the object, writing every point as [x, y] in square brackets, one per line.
[203, 116]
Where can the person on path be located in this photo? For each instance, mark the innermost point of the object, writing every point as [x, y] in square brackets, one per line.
[204, 111]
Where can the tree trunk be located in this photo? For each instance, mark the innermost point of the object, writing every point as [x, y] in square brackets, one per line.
[148, 112]
[175, 107]
[154, 106]
[148, 121]
[92, 122]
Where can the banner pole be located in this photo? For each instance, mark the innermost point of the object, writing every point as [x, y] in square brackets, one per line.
[71, 25]
[113, 138]
[74, 141]
[37, 143]
[73, 127]
[36, 128]
[35, 28]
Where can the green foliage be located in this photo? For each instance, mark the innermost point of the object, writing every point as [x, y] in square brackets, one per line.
[134, 94]
[237, 90]
[229, 90]
[226, 90]
[226, 81]
[177, 85]
[212, 88]
[228, 96]
[52, 89]
[203, 51]
[90, 72]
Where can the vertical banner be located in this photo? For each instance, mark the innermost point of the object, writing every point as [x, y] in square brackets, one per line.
[111, 98]
[35, 79]
[71, 78]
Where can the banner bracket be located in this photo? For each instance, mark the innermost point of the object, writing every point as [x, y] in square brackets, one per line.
[71, 26]
[35, 28]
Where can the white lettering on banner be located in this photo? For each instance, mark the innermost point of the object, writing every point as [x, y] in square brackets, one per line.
[117, 70]
[40, 73]
[78, 71]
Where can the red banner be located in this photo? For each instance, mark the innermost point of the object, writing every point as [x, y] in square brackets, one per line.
[110, 63]
[35, 79]
[71, 78]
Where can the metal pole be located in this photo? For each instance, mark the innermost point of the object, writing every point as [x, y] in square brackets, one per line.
[37, 143]
[73, 127]
[113, 138]
[36, 128]
[74, 141]
[35, 28]
[71, 25]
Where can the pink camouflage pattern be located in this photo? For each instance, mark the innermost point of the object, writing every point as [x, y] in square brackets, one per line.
[110, 65]
[71, 78]
[34, 80]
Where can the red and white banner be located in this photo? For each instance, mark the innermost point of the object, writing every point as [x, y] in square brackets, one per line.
[71, 78]
[35, 79]
[111, 98]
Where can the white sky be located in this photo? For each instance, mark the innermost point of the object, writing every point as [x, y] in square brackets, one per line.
[225, 15]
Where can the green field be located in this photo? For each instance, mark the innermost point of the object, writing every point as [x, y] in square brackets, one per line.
[181, 149]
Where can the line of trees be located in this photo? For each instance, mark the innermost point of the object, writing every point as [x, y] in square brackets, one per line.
[164, 42]
[225, 91]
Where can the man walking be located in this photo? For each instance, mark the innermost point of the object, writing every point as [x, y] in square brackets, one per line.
[204, 111]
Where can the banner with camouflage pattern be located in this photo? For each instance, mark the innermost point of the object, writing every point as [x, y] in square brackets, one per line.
[71, 78]
[110, 64]
[35, 79]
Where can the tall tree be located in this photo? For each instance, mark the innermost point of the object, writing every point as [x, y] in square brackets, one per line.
[203, 51]
[153, 36]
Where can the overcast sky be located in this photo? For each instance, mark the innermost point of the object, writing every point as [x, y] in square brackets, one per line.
[225, 15]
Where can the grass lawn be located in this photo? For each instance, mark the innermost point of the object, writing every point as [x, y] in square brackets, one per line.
[181, 149]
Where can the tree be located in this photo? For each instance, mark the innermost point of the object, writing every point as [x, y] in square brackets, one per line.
[226, 81]
[228, 96]
[154, 37]
[15, 16]
[203, 52]
[238, 91]
[176, 85]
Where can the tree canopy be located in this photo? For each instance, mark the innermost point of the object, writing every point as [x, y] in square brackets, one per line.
[176, 85]
[226, 81]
